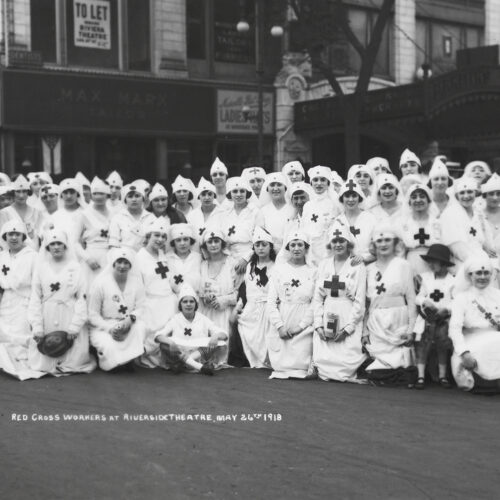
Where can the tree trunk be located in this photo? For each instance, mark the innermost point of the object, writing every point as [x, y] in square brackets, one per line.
[352, 131]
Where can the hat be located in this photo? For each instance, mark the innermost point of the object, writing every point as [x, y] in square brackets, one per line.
[278, 177]
[465, 184]
[296, 235]
[407, 156]
[55, 344]
[260, 234]
[408, 181]
[82, 179]
[237, 183]
[387, 179]
[212, 232]
[378, 162]
[21, 184]
[114, 179]
[159, 225]
[384, 230]
[218, 166]
[181, 230]
[478, 262]
[335, 178]
[319, 171]
[99, 186]
[253, 173]
[351, 186]
[438, 252]
[49, 189]
[294, 165]
[158, 191]
[439, 169]
[476, 163]
[186, 290]
[115, 254]
[143, 185]
[55, 236]
[493, 184]
[5, 189]
[204, 185]
[338, 230]
[183, 184]
[132, 188]
[301, 186]
[67, 184]
[418, 187]
[351, 174]
[42, 176]
[13, 226]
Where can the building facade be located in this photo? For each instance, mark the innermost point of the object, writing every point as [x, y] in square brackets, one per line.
[151, 88]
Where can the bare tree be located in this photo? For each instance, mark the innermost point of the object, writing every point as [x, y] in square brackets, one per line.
[323, 22]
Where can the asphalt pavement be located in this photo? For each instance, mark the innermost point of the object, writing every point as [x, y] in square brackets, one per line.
[152, 434]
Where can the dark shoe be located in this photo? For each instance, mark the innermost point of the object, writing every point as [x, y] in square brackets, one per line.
[207, 369]
[177, 368]
[444, 382]
[420, 384]
[312, 374]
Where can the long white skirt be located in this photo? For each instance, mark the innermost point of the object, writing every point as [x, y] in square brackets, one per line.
[339, 360]
[386, 327]
[484, 346]
[290, 358]
[113, 353]
[253, 326]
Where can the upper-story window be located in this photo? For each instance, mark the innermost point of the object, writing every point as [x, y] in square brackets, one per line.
[98, 33]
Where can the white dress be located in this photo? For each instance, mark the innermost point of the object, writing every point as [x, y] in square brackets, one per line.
[107, 305]
[274, 221]
[16, 271]
[317, 216]
[239, 231]
[339, 292]
[475, 316]
[58, 303]
[184, 271]
[160, 304]
[199, 222]
[391, 314]
[127, 231]
[382, 216]
[289, 305]
[361, 229]
[253, 322]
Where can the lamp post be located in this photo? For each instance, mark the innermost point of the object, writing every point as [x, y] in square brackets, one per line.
[276, 31]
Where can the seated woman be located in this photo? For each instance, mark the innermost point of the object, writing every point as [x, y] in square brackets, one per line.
[339, 306]
[391, 312]
[190, 340]
[57, 311]
[253, 322]
[16, 265]
[290, 311]
[474, 329]
[116, 305]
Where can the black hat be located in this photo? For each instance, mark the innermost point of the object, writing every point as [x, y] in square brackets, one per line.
[55, 344]
[440, 253]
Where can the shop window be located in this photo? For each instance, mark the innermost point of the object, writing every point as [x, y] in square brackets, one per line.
[139, 35]
[43, 28]
[92, 32]
[195, 26]
[229, 45]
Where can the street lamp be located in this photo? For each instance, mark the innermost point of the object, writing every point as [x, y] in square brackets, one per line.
[276, 31]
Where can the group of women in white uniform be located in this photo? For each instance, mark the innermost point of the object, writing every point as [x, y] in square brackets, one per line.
[350, 280]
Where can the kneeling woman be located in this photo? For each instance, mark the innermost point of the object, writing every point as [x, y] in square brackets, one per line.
[58, 311]
[392, 312]
[339, 306]
[116, 306]
[474, 329]
[190, 340]
[290, 311]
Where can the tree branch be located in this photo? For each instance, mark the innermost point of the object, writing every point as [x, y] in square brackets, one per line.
[343, 22]
[326, 72]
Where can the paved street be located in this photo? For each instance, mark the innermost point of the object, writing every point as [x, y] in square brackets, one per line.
[333, 440]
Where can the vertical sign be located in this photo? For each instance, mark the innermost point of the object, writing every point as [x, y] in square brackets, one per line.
[92, 21]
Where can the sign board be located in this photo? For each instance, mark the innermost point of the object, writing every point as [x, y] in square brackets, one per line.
[231, 46]
[237, 112]
[92, 24]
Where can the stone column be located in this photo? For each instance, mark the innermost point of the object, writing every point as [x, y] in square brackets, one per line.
[404, 48]
[492, 22]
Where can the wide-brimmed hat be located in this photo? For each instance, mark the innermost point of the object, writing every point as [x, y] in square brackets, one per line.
[55, 344]
[440, 253]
